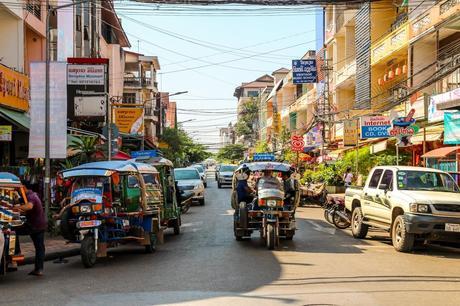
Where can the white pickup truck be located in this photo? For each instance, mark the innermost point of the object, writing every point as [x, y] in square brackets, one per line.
[413, 204]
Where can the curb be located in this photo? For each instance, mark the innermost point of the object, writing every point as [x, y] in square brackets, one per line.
[53, 255]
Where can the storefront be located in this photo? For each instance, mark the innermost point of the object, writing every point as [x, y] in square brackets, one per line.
[445, 159]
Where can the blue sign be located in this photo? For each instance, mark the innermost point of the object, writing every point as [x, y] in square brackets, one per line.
[89, 193]
[146, 153]
[452, 128]
[263, 157]
[375, 127]
[304, 71]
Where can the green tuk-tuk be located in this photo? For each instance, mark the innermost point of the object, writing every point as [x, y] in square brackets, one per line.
[170, 210]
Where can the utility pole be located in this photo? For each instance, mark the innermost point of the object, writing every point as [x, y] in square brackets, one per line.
[324, 107]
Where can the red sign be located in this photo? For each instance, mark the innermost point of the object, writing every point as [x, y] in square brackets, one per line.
[297, 143]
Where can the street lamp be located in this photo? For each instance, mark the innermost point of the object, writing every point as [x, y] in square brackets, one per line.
[50, 10]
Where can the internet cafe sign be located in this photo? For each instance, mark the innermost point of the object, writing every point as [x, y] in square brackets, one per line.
[14, 89]
[375, 127]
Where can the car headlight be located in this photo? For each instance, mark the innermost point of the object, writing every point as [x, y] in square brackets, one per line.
[85, 209]
[199, 186]
[420, 208]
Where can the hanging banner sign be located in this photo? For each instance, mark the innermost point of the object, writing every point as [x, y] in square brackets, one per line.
[350, 133]
[375, 127]
[14, 89]
[452, 128]
[130, 120]
[297, 143]
[304, 71]
[58, 110]
[6, 132]
[403, 129]
[85, 75]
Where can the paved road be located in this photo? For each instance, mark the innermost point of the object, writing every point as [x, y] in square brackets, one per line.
[206, 266]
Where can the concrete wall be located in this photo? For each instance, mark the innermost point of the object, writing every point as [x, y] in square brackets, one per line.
[34, 48]
[424, 53]
[12, 34]
[116, 67]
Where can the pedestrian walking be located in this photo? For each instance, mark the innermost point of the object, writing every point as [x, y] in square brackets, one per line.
[35, 227]
[348, 177]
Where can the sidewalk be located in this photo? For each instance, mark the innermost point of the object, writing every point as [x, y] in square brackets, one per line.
[55, 247]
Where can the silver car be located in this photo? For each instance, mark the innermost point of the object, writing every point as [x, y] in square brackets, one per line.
[202, 172]
[225, 175]
[190, 179]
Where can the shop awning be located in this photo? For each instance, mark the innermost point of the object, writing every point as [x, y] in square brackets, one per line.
[441, 152]
[433, 133]
[17, 118]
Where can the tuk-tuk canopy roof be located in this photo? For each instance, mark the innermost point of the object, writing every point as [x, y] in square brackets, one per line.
[106, 168]
[261, 166]
[9, 178]
[155, 161]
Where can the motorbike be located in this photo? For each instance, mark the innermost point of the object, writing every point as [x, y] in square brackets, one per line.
[313, 194]
[336, 213]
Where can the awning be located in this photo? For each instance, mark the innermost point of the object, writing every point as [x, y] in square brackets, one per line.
[17, 118]
[433, 133]
[441, 152]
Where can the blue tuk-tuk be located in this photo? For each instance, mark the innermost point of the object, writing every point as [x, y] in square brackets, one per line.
[109, 205]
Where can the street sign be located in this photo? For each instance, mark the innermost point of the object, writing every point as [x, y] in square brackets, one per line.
[297, 143]
[403, 129]
[304, 71]
[146, 153]
[350, 133]
[130, 120]
[263, 157]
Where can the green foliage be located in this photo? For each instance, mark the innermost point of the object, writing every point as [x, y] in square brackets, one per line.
[247, 125]
[85, 147]
[231, 153]
[182, 150]
[262, 147]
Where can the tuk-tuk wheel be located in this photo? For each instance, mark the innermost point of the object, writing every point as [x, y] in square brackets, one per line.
[202, 202]
[176, 226]
[151, 247]
[271, 236]
[88, 252]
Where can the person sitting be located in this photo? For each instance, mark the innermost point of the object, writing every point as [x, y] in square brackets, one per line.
[244, 192]
[289, 190]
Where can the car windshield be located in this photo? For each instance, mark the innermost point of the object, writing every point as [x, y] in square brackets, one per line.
[227, 169]
[426, 180]
[199, 168]
[186, 174]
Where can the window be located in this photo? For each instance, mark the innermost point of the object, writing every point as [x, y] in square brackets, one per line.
[387, 179]
[374, 182]
[133, 182]
[428, 181]
[129, 98]
[253, 93]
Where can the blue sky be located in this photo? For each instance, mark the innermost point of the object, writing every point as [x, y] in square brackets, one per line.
[179, 38]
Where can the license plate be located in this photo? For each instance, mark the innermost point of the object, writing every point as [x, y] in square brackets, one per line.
[452, 227]
[90, 223]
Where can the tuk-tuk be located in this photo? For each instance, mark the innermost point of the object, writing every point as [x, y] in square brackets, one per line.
[270, 211]
[12, 193]
[110, 204]
[170, 208]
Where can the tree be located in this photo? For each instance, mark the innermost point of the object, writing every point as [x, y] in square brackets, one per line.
[248, 121]
[85, 147]
[231, 153]
[262, 147]
[182, 149]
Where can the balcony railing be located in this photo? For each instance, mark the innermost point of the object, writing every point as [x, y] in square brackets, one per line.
[138, 82]
[34, 7]
[433, 16]
[390, 43]
[346, 72]
[400, 20]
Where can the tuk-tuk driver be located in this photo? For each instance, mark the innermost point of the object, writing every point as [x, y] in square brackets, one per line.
[244, 192]
[289, 190]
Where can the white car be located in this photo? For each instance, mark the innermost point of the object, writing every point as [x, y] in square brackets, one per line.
[411, 203]
[190, 179]
[225, 175]
[202, 172]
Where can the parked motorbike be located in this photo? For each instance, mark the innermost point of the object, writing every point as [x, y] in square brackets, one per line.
[336, 213]
[314, 194]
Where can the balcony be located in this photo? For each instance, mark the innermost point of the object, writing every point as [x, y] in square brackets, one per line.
[137, 82]
[149, 114]
[348, 71]
[390, 44]
[433, 16]
[34, 7]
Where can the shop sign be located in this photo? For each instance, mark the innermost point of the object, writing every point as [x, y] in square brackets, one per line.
[14, 89]
[6, 132]
[313, 138]
[145, 153]
[403, 129]
[304, 71]
[452, 128]
[378, 147]
[375, 127]
[436, 115]
[130, 120]
[297, 143]
[350, 134]
[85, 74]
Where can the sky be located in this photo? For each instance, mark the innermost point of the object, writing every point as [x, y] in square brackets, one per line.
[209, 53]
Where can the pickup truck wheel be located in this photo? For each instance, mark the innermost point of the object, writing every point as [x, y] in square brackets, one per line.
[358, 228]
[402, 240]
